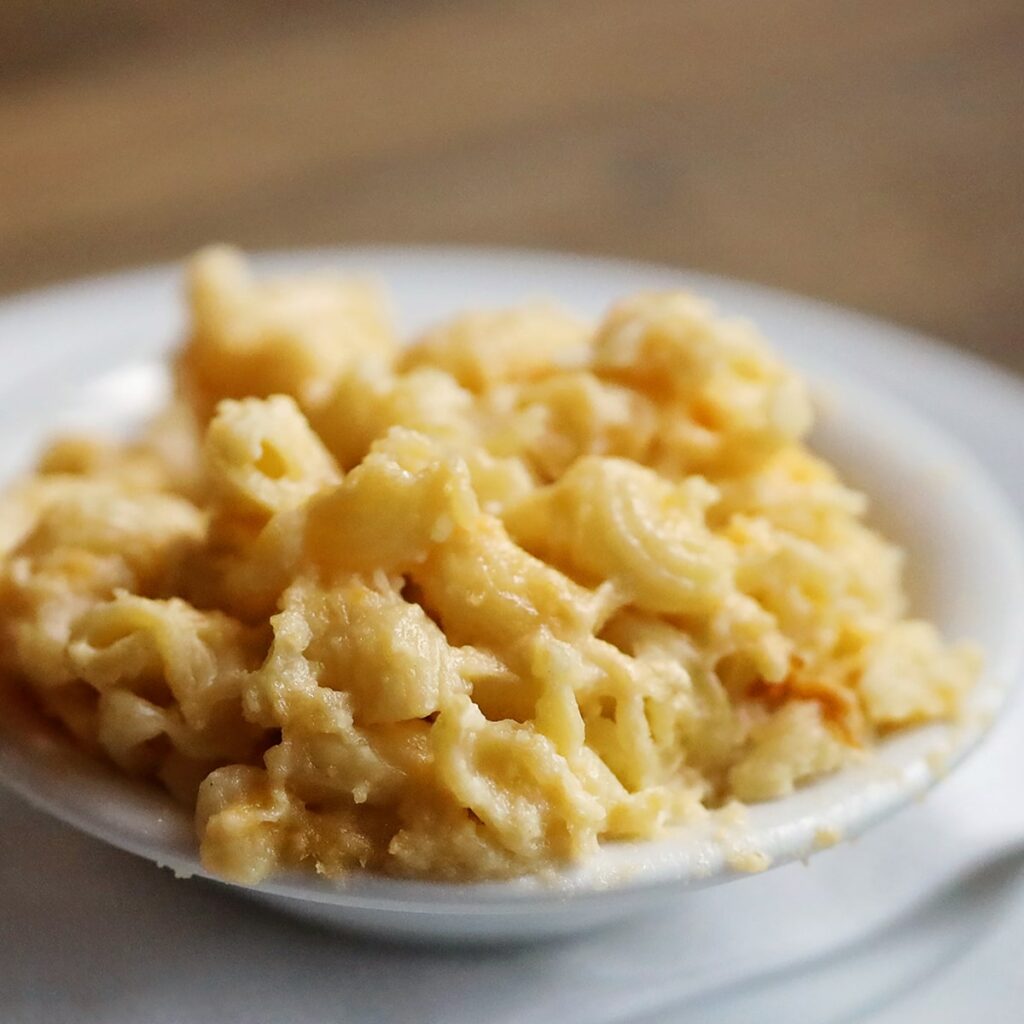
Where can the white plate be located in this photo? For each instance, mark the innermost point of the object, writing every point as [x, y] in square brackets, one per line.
[97, 368]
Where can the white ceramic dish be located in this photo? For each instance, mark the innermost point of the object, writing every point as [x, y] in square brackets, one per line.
[964, 543]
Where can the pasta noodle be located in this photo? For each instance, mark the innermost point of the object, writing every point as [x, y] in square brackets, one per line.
[463, 609]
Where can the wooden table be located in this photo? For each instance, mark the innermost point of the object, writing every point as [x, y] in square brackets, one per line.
[864, 151]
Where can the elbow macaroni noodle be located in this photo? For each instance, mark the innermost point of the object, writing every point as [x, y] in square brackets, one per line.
[462, 609]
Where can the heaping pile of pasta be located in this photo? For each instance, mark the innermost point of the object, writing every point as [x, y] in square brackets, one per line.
[465, 608]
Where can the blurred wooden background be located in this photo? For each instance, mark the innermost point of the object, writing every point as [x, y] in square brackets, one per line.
[864, 151]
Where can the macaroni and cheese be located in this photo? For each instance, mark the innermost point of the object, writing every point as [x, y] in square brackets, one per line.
[465, 608]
